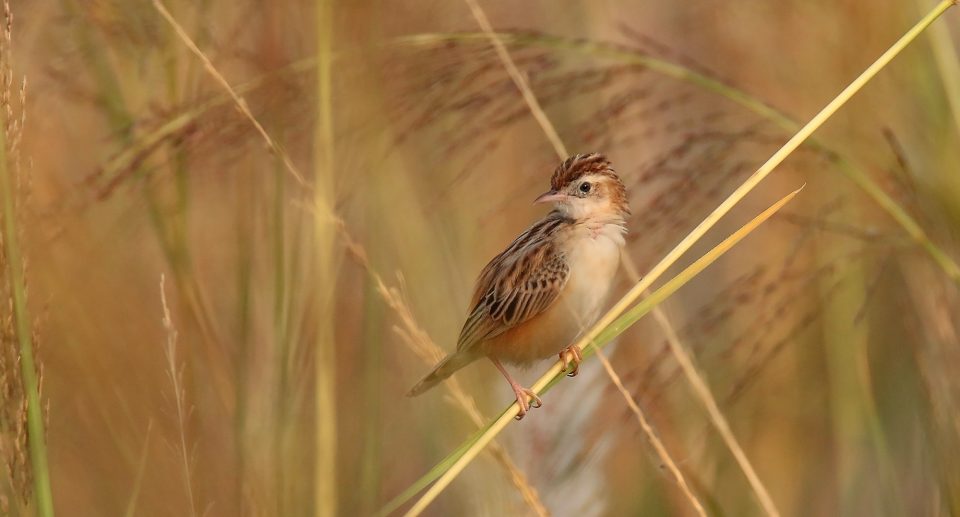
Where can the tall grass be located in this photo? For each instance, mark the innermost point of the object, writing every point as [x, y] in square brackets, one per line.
[320, 181]
[16, 284]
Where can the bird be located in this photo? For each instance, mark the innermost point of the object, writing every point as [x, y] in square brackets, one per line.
[537, 296]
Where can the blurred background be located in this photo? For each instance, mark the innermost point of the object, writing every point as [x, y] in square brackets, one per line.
[828, 337]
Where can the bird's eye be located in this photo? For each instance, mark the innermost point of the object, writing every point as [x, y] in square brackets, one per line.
[585, 187]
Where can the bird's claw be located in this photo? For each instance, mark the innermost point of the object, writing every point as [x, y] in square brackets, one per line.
[571, 355]
[523, 394]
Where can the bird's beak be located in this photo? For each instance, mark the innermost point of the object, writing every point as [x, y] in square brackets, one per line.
[550, 196]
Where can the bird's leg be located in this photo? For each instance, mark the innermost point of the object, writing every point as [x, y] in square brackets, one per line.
[571, 355]
[523, 394]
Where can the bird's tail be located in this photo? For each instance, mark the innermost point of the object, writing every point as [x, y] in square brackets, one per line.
[444, 369]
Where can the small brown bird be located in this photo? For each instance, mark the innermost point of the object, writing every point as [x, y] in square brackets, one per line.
[535, 298]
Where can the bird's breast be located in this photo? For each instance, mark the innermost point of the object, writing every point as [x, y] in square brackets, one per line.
[593, 258]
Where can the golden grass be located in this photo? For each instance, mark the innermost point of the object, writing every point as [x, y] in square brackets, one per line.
[433, 152]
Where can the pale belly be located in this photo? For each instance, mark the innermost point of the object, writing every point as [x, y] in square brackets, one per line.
[593, 266]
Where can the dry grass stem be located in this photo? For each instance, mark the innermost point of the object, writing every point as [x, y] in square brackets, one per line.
[651, 434]
[702, 391]
[237, 99]
[518, 79]
[175, 371]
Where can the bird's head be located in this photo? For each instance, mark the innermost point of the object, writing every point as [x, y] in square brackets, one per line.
[584, 187]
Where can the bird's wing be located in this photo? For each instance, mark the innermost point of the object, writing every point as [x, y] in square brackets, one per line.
[519, 283]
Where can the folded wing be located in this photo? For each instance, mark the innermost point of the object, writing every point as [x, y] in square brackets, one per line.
[518, 284]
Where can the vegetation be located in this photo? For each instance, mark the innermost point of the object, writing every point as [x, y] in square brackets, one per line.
[318, 183]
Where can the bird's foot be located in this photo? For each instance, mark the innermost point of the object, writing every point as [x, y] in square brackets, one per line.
[571, 356]
[526, 399]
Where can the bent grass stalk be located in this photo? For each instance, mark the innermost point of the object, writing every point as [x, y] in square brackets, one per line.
[518, 79]
[609, 323]
[237, 99]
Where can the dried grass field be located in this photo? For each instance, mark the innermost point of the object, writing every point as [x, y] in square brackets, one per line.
[236, 233]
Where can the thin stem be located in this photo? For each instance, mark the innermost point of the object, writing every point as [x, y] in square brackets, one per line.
[518, 79]
[176, 379]
[651, 435]
[238, 101]
[325, 496]
[138, 481]
[702, 391]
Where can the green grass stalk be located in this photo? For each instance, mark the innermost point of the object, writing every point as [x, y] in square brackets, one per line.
[42, 493]
[371, 454]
